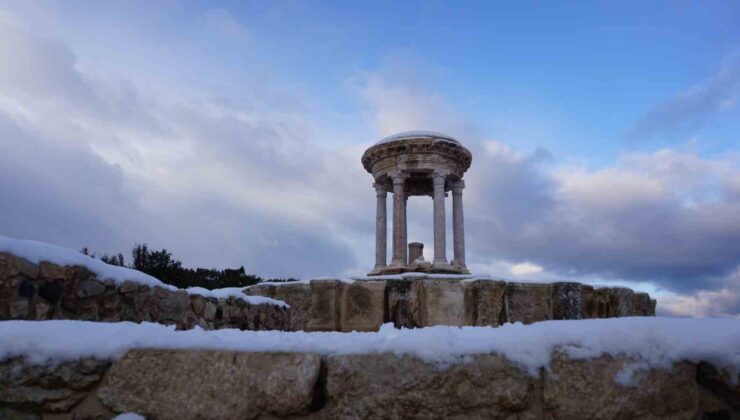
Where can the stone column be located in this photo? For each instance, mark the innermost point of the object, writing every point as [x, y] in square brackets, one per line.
[399, 220]
[438, 180]
[381, 226]
[458, 224]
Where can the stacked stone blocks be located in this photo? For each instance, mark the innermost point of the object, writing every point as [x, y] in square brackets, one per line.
[48, 291]
[160, 384]
[364, 305]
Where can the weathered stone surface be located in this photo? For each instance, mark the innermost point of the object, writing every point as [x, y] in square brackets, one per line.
[324, 312]
[720, 392]
[19, 309]
[173, 306]
[7, 270]
[111, 309]
[362, 304]
[443, 303]
[295, 294]
[567, 300]
[50, 271]
[528, 302]
[73, 292]
[48, 388]
[209, 312]
[641, 304]
[486, 301]
[41, 311]
[620, 301]
[170, 384]
[89, 288]
[587, 389]
[129, 287]
[403, 298]
[390, 386]
[596, 302]
[52, 291]
[195, 384]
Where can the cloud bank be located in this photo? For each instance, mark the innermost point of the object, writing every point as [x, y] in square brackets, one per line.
[90, 159]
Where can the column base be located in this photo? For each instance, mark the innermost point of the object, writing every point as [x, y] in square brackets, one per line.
[416, 268]
[377, 271]
[460, 267]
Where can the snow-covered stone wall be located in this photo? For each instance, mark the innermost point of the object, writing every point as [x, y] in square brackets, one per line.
[43, 290]
[427, 300]
[605, 369]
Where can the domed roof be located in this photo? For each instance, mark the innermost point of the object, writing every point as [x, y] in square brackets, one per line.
[417, 134]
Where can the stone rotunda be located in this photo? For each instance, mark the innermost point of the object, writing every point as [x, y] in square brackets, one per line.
[418, 163]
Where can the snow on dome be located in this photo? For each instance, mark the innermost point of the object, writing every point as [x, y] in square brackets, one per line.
[36, 252]
[417, 133]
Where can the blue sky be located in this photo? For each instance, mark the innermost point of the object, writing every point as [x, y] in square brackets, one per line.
[605, 136]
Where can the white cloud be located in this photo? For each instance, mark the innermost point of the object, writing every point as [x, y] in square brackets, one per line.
[526, 268]
[95, 160]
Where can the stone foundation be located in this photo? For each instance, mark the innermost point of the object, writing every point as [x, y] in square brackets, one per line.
[364, 305]
[48, 291]
[190, 384]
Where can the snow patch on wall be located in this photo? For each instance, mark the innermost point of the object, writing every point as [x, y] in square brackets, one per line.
[652, 342]
[37, 252]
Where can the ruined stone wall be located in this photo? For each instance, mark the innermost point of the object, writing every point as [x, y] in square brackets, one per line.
[333, 305]
[48, 291]
[190, 384]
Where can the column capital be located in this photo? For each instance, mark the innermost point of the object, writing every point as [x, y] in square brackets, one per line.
[398, 177]
[380, 189]
[458, 186]
[439, 178]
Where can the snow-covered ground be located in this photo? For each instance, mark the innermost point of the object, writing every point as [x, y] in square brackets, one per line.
[654, 342]
[36, 252]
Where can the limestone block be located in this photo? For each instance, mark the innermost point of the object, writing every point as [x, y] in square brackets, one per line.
[209, 311]
[48, 388]
[8, 268]
[89, 288]
[362, 304]
[641, 304]
[9, 287]
[324, 310]
[41, 311]
[19, 309]
[567, 300]
[443, 303]
[12, 266]
[111, 309]
[528, 302]
[267, 290]
[174, 306]
[588, 389]
[129, 287]
[402, 387]
[298, 296]
[597, 302]
[489, 303]
[189, 384]
[404, 301]
[620, 301]
[651, 309]
[198, 303]
[51, 271]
